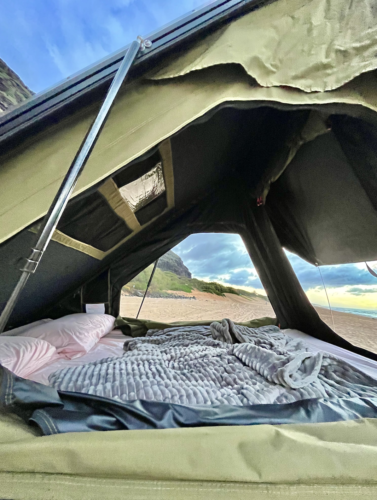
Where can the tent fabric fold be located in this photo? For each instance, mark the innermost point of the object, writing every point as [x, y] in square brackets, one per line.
[312, 45]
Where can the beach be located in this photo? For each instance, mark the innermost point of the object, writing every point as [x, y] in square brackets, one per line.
[357, 329]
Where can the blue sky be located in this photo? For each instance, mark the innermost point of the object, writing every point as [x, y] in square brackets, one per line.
[46, 41]
[223, 257]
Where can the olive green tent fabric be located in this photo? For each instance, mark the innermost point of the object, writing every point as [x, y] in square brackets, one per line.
[313, 45]
[321, 193]
[58, 487]
[139, 327]
[314, 126]
[144, 114]
[13, 429]
[258, 461]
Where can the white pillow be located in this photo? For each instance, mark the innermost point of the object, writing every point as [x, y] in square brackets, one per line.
[25, 355]
[25, 328]
[74, 335]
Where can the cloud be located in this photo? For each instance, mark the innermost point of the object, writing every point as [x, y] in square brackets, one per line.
[48, 41]
[333, 276]
[357, 290]
[219, 257]
[207, 254]
[223, 257]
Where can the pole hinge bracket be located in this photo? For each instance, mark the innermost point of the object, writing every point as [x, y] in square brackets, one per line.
[32, 262]
[144, 43]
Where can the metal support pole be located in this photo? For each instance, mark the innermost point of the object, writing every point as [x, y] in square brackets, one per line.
[61, 199]
[146, 290]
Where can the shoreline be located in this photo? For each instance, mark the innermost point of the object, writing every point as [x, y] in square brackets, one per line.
[346, 311]
[357, 329]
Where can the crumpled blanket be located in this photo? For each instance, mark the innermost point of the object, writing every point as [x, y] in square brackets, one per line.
[275, 356]
[221, 364]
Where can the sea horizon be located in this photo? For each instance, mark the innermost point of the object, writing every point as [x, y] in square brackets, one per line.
[369, 313]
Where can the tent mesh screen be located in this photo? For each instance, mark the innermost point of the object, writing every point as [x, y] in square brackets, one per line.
[147, 188]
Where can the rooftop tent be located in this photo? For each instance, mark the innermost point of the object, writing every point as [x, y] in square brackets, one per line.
[265, 126]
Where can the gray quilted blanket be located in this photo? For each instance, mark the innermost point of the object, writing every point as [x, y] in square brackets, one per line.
[221, 364]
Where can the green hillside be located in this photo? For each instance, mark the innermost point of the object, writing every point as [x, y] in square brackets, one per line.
[166, 280]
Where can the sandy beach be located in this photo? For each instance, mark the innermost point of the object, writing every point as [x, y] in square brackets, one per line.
[360, 330]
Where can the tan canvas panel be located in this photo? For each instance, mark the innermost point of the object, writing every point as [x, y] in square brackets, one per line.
[313, 45]
[111, 192]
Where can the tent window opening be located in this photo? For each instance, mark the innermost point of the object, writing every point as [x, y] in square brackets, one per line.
[144, 190]
[206, 277]
[344, 296]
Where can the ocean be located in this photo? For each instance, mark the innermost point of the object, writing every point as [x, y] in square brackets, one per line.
[361, 312]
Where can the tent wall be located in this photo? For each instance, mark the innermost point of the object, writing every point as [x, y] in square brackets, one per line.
[358, 140]
[320, 208]
[62, 268]
[228, 145]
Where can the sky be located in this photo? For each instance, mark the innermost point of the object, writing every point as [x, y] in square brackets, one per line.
[47, 41]
[224, 258]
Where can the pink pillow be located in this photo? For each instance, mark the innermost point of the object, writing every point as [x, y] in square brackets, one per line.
[24, 355]
[25, 328]
[74, 335]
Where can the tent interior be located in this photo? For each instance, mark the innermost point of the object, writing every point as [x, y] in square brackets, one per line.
[196, 145]
[210, 177]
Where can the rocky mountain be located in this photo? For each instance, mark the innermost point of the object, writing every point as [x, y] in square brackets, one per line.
[173, 263]
[12, 89]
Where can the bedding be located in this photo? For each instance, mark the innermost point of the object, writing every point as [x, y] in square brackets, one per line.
[366, 365]
[24, 355]
[23, 329]
[56, 412]
[73, 335]
[221, 364]
[111, 345]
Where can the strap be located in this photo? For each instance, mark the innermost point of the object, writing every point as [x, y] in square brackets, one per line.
[373, 273]
[146, 290]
